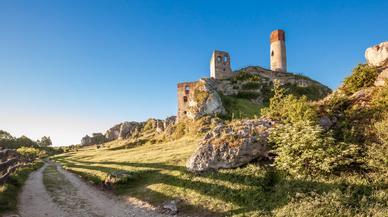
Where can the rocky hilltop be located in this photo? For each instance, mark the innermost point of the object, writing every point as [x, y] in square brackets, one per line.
[127, 130]
[348, 109]
[242, 95]
[219, 109]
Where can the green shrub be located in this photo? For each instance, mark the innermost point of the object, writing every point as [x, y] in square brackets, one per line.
[251, 85]
[245, 76]
[380, 99]
[32, 153]
[312, 91]
[304, 149]
[377, 152]
[248, 95]
[362, 76]
[9, 191]
[288, 108]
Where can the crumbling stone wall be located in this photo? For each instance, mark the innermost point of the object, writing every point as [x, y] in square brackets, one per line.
[220, 65]
[185, 94]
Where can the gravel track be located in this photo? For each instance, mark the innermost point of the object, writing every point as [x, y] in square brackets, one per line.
[54, 192]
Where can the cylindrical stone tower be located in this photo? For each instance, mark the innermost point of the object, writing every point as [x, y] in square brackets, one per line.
[278, 51]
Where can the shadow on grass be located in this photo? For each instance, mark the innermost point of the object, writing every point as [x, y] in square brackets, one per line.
[260, 193]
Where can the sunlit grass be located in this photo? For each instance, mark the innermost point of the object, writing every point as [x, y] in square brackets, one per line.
[9, 191]
[158, 174]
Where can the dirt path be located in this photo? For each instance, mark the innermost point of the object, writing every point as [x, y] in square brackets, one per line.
[54, 192]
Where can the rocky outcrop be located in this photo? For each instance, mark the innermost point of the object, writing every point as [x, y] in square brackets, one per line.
[168, 122]
[206, 101]
[382, 78]
[123, 130]
[96, 138]
[232, 145]
[377, 55]
[127, 130]
[159, 125]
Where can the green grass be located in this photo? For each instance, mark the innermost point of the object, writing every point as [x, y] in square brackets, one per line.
[9, 191]
[158, 174]
[239, 107]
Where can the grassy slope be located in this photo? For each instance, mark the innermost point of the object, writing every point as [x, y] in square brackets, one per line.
[240, 108]
[159, 175]
[9, 191]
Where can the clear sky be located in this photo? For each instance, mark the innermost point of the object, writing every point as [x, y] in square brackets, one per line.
[70, 68]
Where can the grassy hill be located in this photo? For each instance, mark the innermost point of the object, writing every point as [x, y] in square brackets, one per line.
[334, 167]
[158, 174]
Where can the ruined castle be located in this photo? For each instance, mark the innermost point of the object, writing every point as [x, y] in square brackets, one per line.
[220, 69]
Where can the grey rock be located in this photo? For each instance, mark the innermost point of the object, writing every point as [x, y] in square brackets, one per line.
[169, 121]
[232, 145]
[116, 177]
[170, 207]
[122, 130]
[325, 122]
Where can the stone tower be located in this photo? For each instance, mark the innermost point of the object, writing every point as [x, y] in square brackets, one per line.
[278, 51]
[220, 65]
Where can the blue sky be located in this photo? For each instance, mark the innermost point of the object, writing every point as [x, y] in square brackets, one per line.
[68, 68]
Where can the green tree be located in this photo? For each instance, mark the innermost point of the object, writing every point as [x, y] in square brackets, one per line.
[5, 135]
[45, 141]
[25, 141]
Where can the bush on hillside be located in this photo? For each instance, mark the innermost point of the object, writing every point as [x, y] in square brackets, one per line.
[312, 91]
[251, 85]
[362, 76]
[380, 99]
[288, 108]
[245, 76]
[301, 146]
[304, 149]
[10, 190]
[32, 153]
[377, 152]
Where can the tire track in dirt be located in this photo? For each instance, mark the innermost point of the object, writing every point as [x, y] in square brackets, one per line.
[54, 192]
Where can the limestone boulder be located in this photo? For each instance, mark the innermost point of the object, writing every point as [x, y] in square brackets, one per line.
[169, 121]
[382, 78]
[159, 126]
[96, 138]
[231, 145]
[113, 133]
[123, 130]
[128, 129]
[206, 101]
[377, 55]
